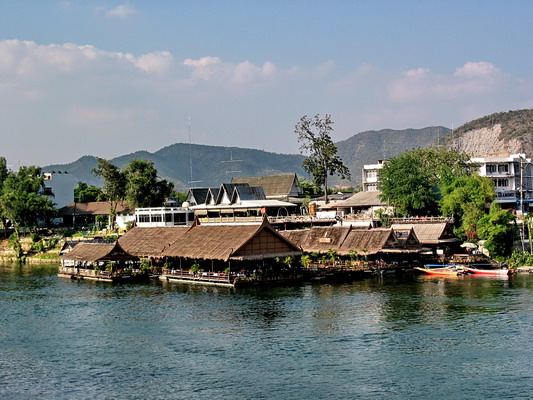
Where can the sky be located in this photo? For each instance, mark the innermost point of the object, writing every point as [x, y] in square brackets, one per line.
[107, 78]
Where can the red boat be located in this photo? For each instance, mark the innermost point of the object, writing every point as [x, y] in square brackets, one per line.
[489, 271]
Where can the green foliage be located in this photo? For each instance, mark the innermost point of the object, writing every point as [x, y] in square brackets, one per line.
[84, 193]
[14, 242]
[305, 260]
[195, 268]
[314, 135]
[22, 202]
[465, 199]
[309, 188]
[143, 188]
[519, 259]
[408, 185]
[498, 228]
[412, 180]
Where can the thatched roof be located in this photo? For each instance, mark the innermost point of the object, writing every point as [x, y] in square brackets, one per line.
[362, 199]
[346, 239]
[222, 242]
[212, 242]
[151, 241]
[368, 241]
[94, 208]
[318, 239]
[430, 233]
[92, 252]
[274, 186]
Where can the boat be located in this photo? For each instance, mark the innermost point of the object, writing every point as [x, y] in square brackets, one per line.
[442, 270]
[489, 269]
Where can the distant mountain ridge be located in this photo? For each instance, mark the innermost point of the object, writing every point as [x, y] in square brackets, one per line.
[212, 165]
[496, 134]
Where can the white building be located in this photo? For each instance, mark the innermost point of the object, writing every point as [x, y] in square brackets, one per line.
[512, 177]
[163, 216]
[60, 186]
[371, 175]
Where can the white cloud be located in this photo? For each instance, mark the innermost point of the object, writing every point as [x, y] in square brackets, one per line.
[477, 70]
[80, 95]
[473, 78]
[121, 11]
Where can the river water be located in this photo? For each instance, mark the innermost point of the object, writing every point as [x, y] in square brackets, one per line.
[413, 338]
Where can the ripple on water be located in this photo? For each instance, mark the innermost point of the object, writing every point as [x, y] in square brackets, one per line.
[378, 339]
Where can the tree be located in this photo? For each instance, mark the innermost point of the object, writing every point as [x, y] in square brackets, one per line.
[406, 184]
[465, 198]
[498, 228]
[84, 193]
[143, 187]
[412, 180]
[23, 203]
[314, 137]
[114, 187]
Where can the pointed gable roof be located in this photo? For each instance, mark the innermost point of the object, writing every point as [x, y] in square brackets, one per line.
[197, 195]
[430, 233]
[224, 242]
[243, 193]
[226, 191]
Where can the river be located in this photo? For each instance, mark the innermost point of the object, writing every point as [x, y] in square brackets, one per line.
[410, 338]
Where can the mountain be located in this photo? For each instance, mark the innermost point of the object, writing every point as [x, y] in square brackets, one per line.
[370, 146]
[501, 133]
[211, 165]
[498, 134]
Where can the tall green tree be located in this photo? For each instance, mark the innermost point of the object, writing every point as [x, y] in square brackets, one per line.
[413, 180]
[406, 184]
[498, 228]
[114, 187]
[314, 135]
[143, 187]
[23, 203]
[466, 198]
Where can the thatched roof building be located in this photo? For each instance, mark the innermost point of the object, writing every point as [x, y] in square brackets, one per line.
[209, 242]
[151, 241]
[95, 252]
[345, 239]
[430, 233]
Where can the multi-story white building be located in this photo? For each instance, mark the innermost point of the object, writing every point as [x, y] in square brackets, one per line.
[371, 175]
[60, 186]
[512, 177]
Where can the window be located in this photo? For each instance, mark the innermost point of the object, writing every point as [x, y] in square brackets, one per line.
[503, 168]
[143, 218]
[156, 218]
[371, 174]
[168, 217]
[490, 168]
[502, 182]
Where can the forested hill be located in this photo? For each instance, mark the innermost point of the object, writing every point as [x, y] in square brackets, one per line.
[500, 133]
[213, 165]
[369, 146]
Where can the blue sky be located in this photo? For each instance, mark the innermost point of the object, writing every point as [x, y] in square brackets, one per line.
[107, 78]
